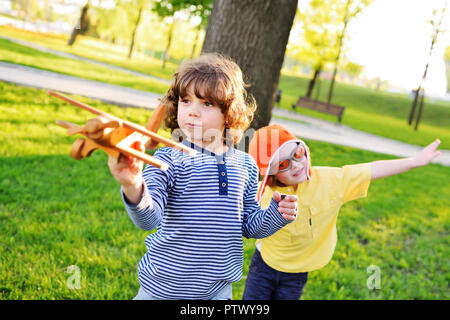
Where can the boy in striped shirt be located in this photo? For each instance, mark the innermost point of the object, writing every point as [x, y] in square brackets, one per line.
[203, 204]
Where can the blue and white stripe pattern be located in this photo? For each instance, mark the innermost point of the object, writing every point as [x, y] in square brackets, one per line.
[197, 248]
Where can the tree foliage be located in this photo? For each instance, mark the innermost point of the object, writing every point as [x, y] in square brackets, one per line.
[348, 10]
[318, 34]
[197, 8]
[166, 9]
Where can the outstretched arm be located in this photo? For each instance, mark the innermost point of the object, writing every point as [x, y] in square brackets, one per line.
[386, 168]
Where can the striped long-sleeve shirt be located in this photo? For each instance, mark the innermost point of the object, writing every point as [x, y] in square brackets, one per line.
[201, 206]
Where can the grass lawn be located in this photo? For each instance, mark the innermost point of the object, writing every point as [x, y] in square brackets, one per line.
[15, 53]
[56, 212]
[95, 49]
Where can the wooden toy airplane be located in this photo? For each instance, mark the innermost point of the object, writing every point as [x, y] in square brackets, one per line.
[116, 136]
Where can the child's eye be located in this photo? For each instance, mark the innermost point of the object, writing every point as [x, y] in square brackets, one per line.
[184, 100]
[283, 165]
[208, 104]
[299, 153]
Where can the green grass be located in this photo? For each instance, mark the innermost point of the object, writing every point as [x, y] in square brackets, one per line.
[56, 212]
[380, 113]
[96, 49]
[15, 53]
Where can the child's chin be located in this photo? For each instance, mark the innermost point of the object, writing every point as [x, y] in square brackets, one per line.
[299, 179]
[192, 135]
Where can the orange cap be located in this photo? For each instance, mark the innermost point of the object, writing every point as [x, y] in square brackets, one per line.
[265, 144]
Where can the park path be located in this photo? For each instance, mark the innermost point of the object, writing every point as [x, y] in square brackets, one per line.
[301, 125]
[42, 79]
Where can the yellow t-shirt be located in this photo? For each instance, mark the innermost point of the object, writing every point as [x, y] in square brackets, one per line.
[308, 243]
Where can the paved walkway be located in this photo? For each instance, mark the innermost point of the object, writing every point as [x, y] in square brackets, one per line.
[303, 126]
[32, 77]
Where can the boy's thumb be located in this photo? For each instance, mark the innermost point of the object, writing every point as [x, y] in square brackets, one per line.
[277, 196]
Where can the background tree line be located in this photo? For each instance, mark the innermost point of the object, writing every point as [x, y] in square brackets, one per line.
[157, 25]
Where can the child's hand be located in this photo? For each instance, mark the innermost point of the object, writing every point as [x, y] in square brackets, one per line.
[427, 154]
[287, 206]
[128, 172]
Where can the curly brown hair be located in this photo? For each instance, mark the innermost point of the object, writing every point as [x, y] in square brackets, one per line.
[219, 80]
[272, 181]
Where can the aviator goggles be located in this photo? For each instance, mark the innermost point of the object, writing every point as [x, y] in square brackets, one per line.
[286, 163]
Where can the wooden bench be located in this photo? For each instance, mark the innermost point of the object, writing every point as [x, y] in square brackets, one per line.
[320, 106]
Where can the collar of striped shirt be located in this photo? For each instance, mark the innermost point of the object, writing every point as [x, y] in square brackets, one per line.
[221, 164]
[198, 148]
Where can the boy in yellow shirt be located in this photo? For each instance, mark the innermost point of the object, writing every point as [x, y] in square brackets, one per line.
[280, 264]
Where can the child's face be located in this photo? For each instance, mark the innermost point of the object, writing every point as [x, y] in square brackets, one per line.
[297, 172]
[199, 119]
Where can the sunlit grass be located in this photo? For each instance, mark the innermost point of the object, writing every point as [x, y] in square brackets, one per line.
[95, 49]
[15, 53]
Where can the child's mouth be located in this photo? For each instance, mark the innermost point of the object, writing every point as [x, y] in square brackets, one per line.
[298, 173]
[192, 125]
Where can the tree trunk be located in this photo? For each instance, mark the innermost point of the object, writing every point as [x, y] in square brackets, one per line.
[133, 36]
[420, 91]
[197, 35]
[254, 33]
[81, 25]
[312, 82]
[169, 42]
[419, 115]
[413, 106]
[317, 85]
[340, 42]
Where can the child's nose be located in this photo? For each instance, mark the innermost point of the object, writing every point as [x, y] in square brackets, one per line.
[296, 165]
[194, 110]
